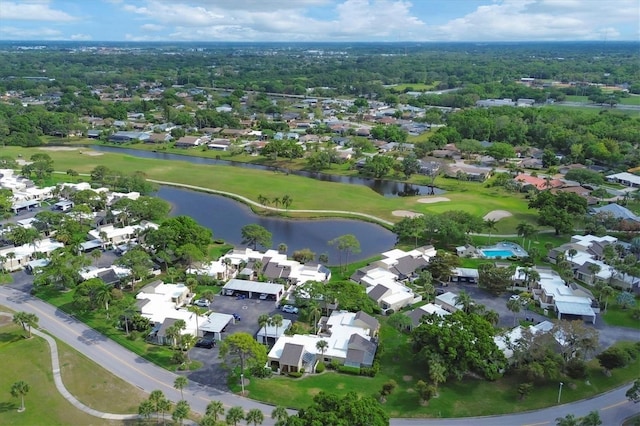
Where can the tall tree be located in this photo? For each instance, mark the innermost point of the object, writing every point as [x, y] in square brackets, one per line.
[234, 415]
[243, 350]
[255, 417]
[215, 409]
[26, 320]
[180, 383]
[255, 235]
[348, 410]
[19, 390]
[346, 244]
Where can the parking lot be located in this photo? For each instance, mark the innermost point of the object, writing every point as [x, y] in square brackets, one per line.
[212, 373]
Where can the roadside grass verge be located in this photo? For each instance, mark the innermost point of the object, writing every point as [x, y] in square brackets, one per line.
[96, 387]
[160, 355]
[616, 316]
[29, 360]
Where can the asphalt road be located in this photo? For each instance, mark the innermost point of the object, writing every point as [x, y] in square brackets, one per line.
[613, 406]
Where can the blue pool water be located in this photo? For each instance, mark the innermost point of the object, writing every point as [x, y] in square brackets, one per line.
[497, 253]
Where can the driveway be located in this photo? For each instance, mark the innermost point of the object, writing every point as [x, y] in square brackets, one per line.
[212, 372]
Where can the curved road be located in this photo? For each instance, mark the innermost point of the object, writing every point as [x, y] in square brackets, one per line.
[613, 406]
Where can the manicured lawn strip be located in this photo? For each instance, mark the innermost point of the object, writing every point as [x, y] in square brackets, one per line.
[29, 360]
[306, 193]
[96, 387]
[619, 317]
[160, 355]
[468, 397]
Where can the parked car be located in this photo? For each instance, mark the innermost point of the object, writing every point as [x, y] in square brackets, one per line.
[237, 317]
[203, 303]
[206, 342]
[263, 296]
[290, 309]
[439, 291]
[514, 297]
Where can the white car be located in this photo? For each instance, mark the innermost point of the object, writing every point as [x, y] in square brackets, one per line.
[203, 303]
[290, 309]
[514, 297]
[263, 296]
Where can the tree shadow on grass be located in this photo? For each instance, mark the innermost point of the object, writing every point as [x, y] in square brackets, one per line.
[10, 337]
[7, 406]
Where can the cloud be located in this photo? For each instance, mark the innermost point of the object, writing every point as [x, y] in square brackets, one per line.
[521, 20]
[80, 37]
[14, 33]
[32, 10]
[151, 27]
[283, 20]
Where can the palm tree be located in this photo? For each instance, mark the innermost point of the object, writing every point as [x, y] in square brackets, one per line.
[180, 383]
[234, 415]
[314, 313]
[197, 311]
[103, 296]
[464, 299]
[264, 321]
[215, 409]
[286, 201]
[19, 390]
[181, 412]
[322, 346]
[146, 409]
[280, 415]
[27, 320]
[187, 341]
[254, 416]
[155, 397]
[95, 255]
[164, 406]
[514, 306]
[606, 292]
[591, 419]
[594, 269]
[490, 224]
[276, 201]
[277, 321]
[492, 317]
[571, 253]
[262, 200]
[525, 230]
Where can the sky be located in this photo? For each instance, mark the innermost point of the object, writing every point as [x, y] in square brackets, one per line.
[320, 20]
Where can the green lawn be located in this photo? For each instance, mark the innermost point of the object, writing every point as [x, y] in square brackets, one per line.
[95, 387]
[468, 397]
[617, 316]
[29, 360]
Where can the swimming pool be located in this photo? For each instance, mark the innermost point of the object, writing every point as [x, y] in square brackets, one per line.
[497, 253]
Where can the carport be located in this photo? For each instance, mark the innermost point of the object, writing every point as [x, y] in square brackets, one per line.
[215, 323]
[575, 309]
[22, 206]
[252, 289]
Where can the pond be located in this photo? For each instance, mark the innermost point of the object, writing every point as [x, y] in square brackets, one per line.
[386, 188]
[226, 217]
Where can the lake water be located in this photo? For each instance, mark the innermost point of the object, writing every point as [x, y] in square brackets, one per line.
[386, 188]
[225, 217]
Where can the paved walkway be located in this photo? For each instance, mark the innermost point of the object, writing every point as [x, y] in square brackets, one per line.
[57, 378]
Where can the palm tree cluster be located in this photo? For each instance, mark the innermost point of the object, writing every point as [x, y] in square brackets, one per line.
[265, 321]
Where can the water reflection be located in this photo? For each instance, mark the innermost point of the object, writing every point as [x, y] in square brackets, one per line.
[225, 217]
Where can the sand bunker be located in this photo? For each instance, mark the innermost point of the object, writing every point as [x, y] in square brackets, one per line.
[433, 200]
[497, 215]
[405, 213]
[92, 153]
[59, 148]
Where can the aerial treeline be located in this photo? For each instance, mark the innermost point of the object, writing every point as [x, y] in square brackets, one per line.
[608, 138]
[365, 70]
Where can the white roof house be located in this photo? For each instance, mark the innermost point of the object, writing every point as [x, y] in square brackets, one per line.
[160, 302]
[24, 253]
[254, 287]
[273, 332]
[625, 178]
[448, 301]
[215, 323]
[551, 291]
[343, 332]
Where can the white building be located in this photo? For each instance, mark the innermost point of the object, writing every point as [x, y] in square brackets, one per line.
[552, 293]
[349, 337]
[15, 258]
